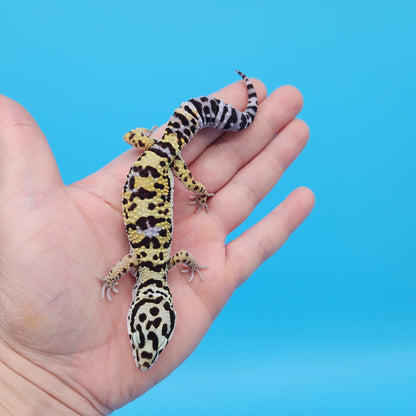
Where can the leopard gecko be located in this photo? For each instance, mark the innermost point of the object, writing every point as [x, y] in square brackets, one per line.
[148, 217]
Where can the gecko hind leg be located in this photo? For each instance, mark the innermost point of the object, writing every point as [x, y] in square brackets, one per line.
[189, 261]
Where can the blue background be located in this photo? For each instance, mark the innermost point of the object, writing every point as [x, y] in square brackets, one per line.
[341, 324]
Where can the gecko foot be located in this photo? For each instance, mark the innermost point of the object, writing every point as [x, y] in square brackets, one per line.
[192, 270]
[201, 200]
[106, 290]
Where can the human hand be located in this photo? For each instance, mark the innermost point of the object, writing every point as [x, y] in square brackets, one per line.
[58, 339]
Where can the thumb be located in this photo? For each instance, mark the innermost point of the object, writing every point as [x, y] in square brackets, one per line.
[27, 165]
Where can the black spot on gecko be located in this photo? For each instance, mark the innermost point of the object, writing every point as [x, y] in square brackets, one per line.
[146, 355]
[151, 282]
[143, 243]
[132, 207]
[143, 193]
[154, 311]
[141, 223]
[189, 110]
[232, 119]
[224, 112]
[155, 323]
[182, 118]
[167, 145]
[130, 226]
[197, 104]
[155, 340]
[214, 107]
[131, 182]
[153, 220]
[141, 335]
[147, 171]
[159, 152]
[165, 198]
[154, 267]
[141, 302]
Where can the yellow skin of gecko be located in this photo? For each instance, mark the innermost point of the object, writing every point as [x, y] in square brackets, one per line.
[148, 216]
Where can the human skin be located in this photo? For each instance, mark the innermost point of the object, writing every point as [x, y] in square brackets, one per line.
[62, 348]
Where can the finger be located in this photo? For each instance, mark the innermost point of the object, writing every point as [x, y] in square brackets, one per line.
[234, 203]
[114, 174]
[219, 163]
[258, 243]
[27, 165]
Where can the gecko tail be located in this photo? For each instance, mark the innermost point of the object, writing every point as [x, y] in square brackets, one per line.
[252, 104]
[201, 112]
[213, 112]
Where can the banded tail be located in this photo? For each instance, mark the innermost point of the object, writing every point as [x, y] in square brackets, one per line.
[201, 112]
[218, 114]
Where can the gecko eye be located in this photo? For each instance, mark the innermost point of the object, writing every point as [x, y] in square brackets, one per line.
[151, 326]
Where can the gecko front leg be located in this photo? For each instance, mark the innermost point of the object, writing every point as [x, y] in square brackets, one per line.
[189, 261]
[128, 262]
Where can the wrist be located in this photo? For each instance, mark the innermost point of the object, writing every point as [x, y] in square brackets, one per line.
[29, 389]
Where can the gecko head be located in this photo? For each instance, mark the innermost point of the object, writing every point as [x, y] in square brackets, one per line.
[150, 323]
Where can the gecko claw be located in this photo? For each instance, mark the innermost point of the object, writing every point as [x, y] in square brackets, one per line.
[201, 200]
[106, 290]
[192, 270]
[152, 130]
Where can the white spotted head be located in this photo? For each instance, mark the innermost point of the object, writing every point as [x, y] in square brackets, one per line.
[150, 322]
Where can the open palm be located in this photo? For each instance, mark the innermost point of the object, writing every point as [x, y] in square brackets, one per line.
[56, 239]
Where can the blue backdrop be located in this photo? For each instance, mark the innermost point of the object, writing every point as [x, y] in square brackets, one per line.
[342, 323]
